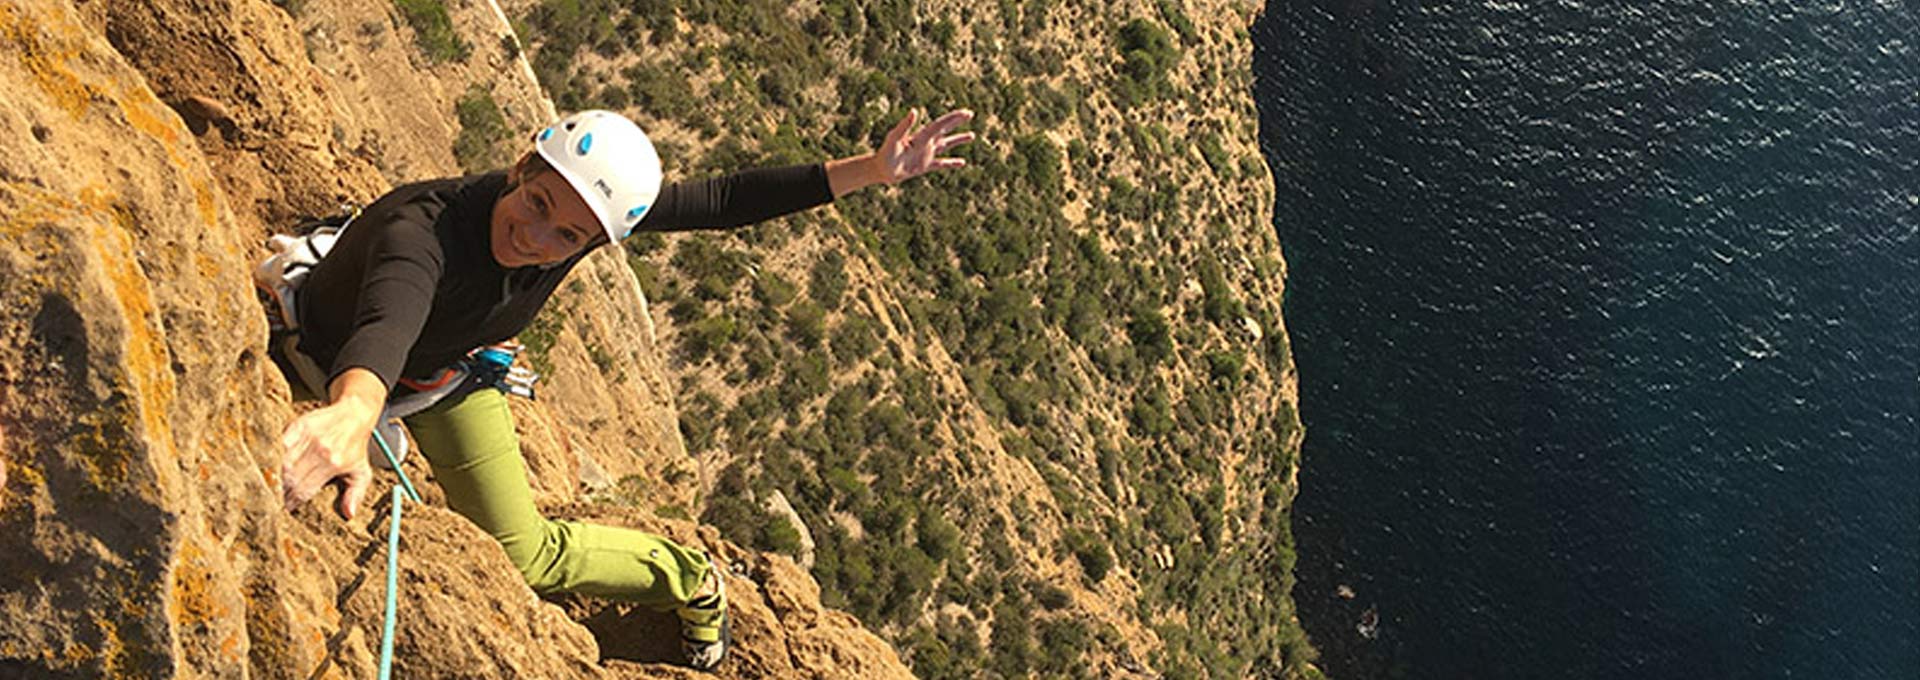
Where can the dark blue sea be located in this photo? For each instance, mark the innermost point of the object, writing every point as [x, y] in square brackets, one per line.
[1607, 317]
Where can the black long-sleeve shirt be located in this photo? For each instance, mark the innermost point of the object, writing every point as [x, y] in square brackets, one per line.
[411, 286]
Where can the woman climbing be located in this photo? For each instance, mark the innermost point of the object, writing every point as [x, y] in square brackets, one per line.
[431, 271]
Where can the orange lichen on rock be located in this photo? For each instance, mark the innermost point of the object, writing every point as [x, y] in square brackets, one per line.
[193, 599]
[203, 201]
[45, 57]
[147, 358]
[150, 116]
[36, 206]
[230, 646]
[23, 472]
[138, 105]
[104, 450]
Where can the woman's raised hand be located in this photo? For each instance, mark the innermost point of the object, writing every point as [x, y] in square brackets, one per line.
[909, 153]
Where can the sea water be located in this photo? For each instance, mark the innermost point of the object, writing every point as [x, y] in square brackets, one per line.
[1605, 316]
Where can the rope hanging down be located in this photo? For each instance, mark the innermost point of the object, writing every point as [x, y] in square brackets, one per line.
[393, 557]
[388, 452]
[393, 587]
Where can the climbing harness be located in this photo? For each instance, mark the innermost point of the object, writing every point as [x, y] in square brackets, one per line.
[278, 277]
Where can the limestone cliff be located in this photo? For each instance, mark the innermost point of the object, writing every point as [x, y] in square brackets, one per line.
[146, 149]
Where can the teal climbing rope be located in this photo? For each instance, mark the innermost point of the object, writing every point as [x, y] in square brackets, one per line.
[395, 463]
[393, 558]
[393, 587]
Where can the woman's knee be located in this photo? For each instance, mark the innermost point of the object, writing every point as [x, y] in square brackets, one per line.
[536, 554]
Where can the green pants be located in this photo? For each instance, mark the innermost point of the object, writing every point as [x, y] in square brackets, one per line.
[470, 443]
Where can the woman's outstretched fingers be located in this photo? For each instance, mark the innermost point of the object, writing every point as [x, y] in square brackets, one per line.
[948, 121]
[951, 141]
[900, 129]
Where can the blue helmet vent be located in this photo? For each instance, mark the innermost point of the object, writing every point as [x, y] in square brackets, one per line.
[586, 142]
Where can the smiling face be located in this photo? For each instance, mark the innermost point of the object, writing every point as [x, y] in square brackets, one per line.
[541, 221]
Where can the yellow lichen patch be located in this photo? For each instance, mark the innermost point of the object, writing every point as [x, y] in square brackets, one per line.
[206, 266]
[147, 360]
[103, 453]
[140, 108]
[45, 56]
[203, 201]
[149, 116]
[24, 473]
[194, 603]
[36, 206]
[110, 646]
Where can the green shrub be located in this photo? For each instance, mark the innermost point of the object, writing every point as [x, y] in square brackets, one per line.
[687, 310]
[697, 423]
[433, 30]
[672, 511]
[806, 378]
[938, 537]
[482, 128]
[1251, 166]
[1150, 415]
[538, 337]
[1041, 161]
[1053, 597]
[773, 290]
[854, 340]
[1092, 554]
[1220, 305]
[827, 282]
[1215, 156]
[734, 516]
[1066, 642]
[713, 267]
[930, 657]
[1177, 18]
[1152, 339]
[777, 534]
[806, 325]
[1146, 53]
[709, 336]
[1226, 368]
[847, 488]
[1022, 399]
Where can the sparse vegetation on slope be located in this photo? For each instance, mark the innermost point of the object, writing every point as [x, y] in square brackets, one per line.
[1096, 301]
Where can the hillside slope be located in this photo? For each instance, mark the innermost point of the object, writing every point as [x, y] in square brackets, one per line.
[1033, 416]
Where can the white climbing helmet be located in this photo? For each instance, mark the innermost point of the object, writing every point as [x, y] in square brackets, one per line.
[609, 162]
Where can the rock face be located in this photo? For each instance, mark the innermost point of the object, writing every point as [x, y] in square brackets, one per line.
[146, 149]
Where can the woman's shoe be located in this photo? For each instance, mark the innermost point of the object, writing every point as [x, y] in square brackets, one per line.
[705, 632]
